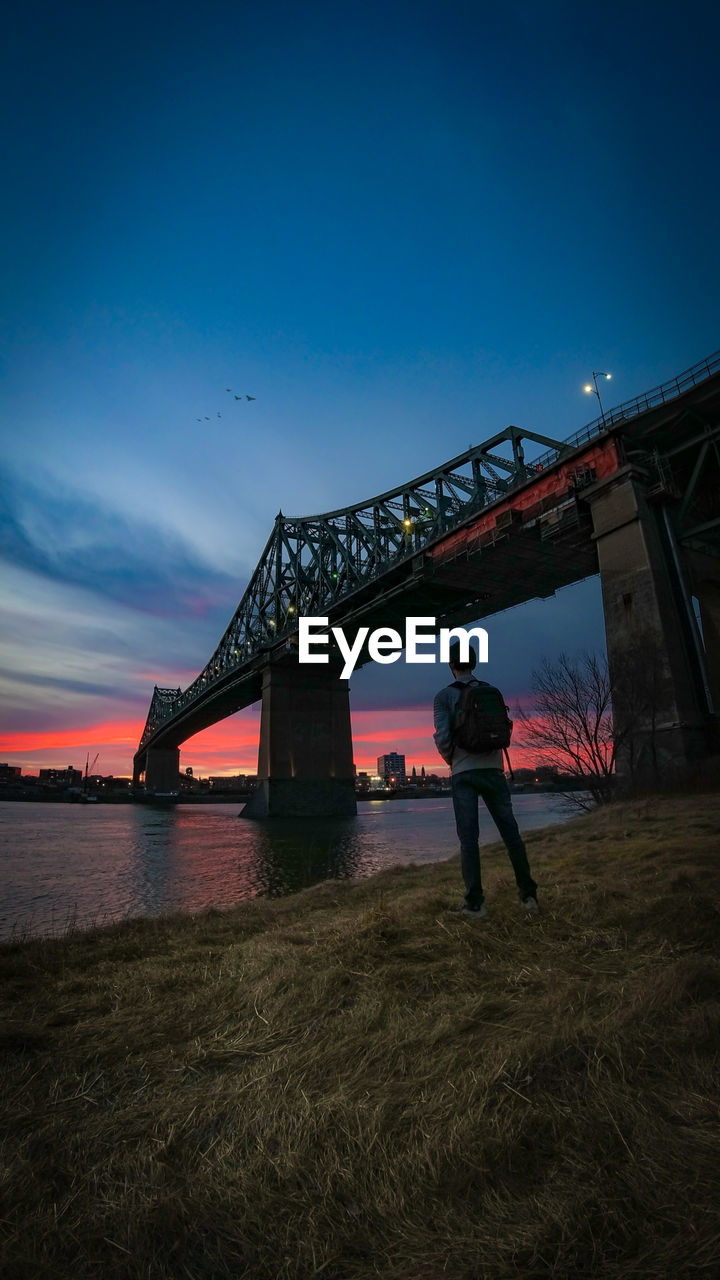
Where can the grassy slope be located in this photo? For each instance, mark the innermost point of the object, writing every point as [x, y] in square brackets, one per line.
[350, 1083]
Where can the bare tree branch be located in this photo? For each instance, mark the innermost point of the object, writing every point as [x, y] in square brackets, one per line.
[572, 727]
[582, 721]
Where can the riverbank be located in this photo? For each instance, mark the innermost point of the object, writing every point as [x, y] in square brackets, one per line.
[118, 797]
[241, 797]
[350, 1082]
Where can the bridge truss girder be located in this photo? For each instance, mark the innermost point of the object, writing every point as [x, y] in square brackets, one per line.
[311, 563]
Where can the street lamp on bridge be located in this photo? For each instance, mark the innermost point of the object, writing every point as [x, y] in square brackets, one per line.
[597, 373]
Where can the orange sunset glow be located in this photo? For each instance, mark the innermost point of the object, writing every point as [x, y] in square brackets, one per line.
[231, 746]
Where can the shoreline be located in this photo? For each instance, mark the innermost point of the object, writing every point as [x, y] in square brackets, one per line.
[351, 1081]
[233, 797]
[61, 866]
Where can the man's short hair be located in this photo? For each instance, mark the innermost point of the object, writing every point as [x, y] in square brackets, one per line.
[455, 657]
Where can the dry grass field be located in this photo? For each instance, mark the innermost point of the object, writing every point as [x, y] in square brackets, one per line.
[352, 1083]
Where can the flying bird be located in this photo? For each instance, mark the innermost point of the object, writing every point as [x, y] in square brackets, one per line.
[251, 397]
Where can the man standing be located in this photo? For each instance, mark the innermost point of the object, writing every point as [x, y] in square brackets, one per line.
[478, 776]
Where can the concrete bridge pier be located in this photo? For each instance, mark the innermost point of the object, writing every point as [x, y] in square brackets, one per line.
[305, 761]
[162, 769]
[656, 659]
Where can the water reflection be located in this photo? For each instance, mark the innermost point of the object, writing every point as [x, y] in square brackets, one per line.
[291, 856]
[88, 865]
[151, 866]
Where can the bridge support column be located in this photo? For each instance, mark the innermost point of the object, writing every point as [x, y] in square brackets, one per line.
[162, 769]
[654, 653]
[305, 763]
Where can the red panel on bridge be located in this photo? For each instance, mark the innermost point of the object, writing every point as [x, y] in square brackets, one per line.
[555, 482]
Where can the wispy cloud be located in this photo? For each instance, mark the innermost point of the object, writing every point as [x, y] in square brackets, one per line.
[97, 608]
[71, 537]
[72, 655]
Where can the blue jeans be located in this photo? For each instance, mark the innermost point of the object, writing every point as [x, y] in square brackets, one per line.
[489, 785]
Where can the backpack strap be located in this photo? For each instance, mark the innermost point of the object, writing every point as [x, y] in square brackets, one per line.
[459, 684]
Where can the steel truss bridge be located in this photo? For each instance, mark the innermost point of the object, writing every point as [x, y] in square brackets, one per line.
[480, 533]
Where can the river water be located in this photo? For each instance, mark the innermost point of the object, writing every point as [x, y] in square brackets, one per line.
[65, 865]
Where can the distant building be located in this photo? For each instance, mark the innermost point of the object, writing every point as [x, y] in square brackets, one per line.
[391, 767]
[368, 782]
[68, 777]
[9, 772]
[238, 782]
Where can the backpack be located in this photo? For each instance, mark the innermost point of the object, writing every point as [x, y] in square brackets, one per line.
[482, 722]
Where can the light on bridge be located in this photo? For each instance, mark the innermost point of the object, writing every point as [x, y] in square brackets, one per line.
[592, 388]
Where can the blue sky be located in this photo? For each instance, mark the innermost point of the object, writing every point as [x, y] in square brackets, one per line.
[400, 227]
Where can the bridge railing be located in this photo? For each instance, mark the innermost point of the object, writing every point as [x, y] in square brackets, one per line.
[312, 562]
[662, 394]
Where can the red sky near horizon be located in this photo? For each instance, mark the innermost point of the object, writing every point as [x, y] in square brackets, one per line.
[230, 746]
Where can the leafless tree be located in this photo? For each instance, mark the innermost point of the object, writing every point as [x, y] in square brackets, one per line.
[583, 722]
[572, 728]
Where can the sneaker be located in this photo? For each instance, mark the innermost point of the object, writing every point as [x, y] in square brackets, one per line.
[472, 913]
[531, 906]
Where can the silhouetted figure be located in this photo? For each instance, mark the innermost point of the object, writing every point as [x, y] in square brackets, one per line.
[478, 776]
